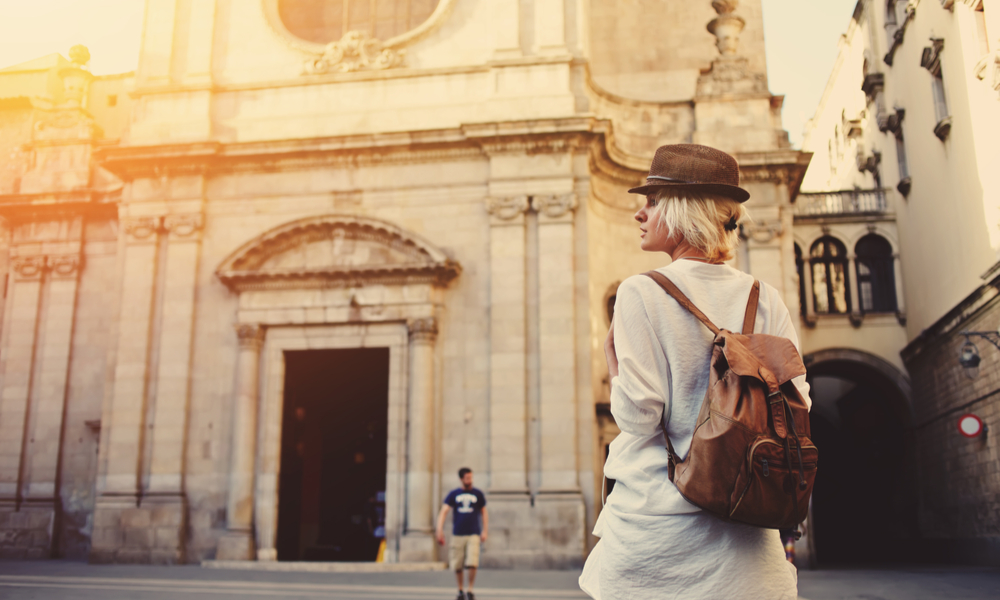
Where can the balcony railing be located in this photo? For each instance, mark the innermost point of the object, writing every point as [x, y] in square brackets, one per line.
[847, 202]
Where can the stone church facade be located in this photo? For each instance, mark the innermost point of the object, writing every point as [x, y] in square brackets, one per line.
[274, 288]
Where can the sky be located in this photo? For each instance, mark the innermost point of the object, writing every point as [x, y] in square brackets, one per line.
[800, 38]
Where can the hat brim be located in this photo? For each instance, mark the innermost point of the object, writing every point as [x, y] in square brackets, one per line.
[729, 191]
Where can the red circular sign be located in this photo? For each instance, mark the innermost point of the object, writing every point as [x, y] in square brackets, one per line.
[970, 425]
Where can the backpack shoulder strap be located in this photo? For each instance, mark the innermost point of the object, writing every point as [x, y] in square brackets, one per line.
[751, 315]
[669, 287]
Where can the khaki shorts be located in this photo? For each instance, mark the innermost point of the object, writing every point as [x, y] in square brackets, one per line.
[464, 551]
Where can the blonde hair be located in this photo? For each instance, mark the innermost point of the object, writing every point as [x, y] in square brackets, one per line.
[701, 219]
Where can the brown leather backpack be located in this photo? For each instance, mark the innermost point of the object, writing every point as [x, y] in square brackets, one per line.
[751, 459]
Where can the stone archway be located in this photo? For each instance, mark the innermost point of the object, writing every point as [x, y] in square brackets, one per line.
[863, 508]
[334, 282]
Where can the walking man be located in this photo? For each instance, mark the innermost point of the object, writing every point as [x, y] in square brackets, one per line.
[467, 530]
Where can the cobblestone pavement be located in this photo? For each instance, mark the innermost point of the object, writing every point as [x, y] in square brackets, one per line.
[70, 580]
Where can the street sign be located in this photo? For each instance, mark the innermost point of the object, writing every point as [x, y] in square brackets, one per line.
[970, 425]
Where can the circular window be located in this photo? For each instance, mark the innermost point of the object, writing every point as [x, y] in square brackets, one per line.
[325, 21]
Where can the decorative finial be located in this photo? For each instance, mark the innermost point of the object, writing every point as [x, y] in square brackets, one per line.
[80, 55]
[725, 7]
[726, 27]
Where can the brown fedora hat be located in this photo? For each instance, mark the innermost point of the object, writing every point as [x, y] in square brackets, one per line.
[696, 168]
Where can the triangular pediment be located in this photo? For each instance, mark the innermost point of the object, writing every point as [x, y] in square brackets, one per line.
[335, 251]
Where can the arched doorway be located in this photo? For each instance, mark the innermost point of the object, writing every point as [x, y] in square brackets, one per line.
[864, 503]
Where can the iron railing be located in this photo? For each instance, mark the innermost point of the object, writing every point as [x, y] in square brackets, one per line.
[846, 202]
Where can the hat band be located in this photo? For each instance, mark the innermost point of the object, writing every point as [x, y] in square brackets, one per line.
[667, 179]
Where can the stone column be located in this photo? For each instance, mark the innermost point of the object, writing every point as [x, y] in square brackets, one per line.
[557, 342]
[852, 279]
[897, 271]
[48, 397]
[508, 345]
[418, 543]
[238, 543]
[121, 530]
[807, 273]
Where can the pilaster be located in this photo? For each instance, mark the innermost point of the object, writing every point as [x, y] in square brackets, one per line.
[238, 543]
[121, 528]
[550, 27]
[508, 345]
[557, 350]
[45, 263]
[417, 543]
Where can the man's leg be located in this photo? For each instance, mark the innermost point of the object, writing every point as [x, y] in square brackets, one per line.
[472, 561]
[458, 559]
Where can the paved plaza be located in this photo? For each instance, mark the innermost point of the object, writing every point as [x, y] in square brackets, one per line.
[64, 580]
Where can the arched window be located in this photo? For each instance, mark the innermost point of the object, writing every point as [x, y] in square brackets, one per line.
[828, 258]
[325, 21]
[876, 276]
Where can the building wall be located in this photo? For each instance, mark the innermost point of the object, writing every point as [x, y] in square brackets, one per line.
[488, 143]
[943, 227]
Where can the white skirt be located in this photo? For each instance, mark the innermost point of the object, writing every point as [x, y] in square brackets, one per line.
[694, 556]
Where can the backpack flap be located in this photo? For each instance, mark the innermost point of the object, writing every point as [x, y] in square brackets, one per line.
[747, 356]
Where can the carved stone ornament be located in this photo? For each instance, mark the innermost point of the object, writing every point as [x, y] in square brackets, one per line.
[507, 208]
[727, 27]
[336, 251]
[554, 205]
[762, 233]
[423, 330]
[140, 228]
[251, 335]
[183, 225]
[356, 51]
[65, 265]
[28, 267]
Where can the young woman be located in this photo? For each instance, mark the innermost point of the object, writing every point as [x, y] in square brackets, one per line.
[654, 543]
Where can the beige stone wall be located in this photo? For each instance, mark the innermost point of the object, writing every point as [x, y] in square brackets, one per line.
[489, 142]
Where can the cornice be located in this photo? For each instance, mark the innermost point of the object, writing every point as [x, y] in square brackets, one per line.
[462, 143]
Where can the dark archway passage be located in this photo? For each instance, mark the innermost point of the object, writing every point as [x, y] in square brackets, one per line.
[333, 454]
[863, 506]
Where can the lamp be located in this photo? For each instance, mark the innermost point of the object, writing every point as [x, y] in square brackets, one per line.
[968, 355]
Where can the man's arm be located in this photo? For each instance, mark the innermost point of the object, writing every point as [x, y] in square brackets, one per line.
[486, 525]
[440, 524]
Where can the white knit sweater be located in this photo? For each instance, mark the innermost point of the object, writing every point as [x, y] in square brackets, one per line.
[655, 544]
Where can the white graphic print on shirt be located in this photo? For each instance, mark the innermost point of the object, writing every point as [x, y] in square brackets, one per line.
[465, 502]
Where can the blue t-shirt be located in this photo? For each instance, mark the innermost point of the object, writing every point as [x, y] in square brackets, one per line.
[468, 507]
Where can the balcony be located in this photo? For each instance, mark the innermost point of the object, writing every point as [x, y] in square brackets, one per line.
[843, 203]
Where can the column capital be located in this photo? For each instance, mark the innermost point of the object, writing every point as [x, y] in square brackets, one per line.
[63, 265]
[140, 229]
[554, 206]
[251, 335]
[507, 209]
[184, 225]
[423, 330]
[28, 267]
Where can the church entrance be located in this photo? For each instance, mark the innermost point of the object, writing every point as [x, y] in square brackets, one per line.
[331, 503]
[863, 507]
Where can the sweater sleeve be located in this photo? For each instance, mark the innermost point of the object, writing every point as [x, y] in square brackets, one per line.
[639, 392]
